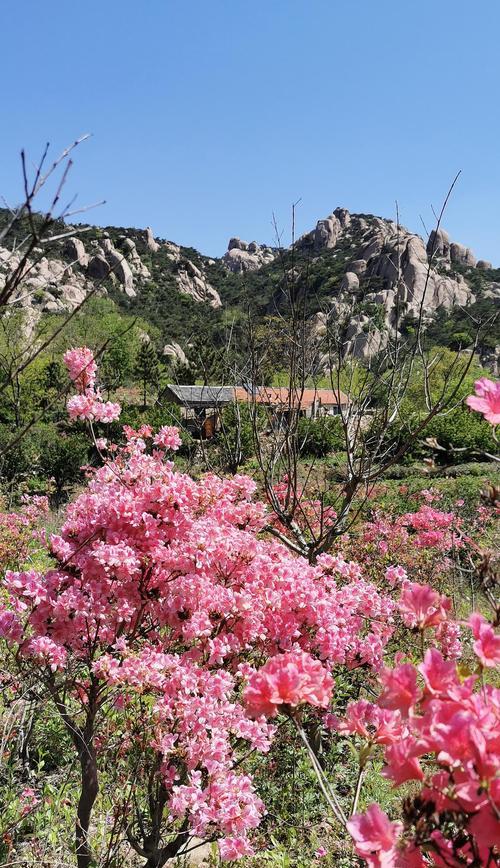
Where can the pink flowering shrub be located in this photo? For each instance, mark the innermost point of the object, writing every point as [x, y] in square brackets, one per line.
[19, 529]
[164, 594]
[443, 733]
[287, 680]
[171, 633]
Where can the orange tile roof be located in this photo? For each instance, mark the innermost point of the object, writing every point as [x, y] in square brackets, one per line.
[280, 396]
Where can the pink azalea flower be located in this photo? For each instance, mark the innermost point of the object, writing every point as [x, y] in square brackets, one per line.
[486, 400]
[231, 849]
[288, 679]
[395, 575]
[81, 367]
[375, 837]
[400, 691]
[421, 606]
[168, 436]
[402, 763]
[487, 644]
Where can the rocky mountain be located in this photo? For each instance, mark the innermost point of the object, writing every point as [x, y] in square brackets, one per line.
[354, 267]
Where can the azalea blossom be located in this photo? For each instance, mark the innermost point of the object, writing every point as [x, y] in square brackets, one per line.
[375, 837]
[487, 644]
[421, 606]
[288, 679]
[82, 367]
[168, 436]
[486, 400]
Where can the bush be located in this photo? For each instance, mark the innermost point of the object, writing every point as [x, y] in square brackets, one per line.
[320, 436]
[42, 454]
[464, 430]
[236, 436]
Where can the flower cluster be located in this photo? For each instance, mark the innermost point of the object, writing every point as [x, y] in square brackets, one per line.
[87, 403]
[436, 729]
[288, 680]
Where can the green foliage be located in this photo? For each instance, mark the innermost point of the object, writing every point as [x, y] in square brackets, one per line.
[43, 454]
[147, 369]
[449, 377]
[236, 435]
[320, 436]
[457, 328]
[462, 430]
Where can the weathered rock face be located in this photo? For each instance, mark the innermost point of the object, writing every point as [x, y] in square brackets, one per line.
[462, 255]
[241, 256]
[192, 281]
[372, 268]
[175, 352]
[358, 266]
[440, 247]
[49, 285]
[439, 244]
[324, 236]
[406, 274]
[75, 249]
[98, 267]
[151, 244]
[137, 266]
[350, 282]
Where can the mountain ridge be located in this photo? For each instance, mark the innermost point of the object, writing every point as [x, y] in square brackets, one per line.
[359, 267]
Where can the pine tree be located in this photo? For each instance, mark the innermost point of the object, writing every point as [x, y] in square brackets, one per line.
[147, 369]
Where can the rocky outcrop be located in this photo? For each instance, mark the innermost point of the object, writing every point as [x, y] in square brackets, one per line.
[151, 244]
[98, 267]
[438, 244]
[175, 352]
[358, 266]
[192, 281]
[242, 256]
[350, 282]
[48, 285]
[137, 266]
[75, 250]
[324, 236]
[462, 255]
[440, 247]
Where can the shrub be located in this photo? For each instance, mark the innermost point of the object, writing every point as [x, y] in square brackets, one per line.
[320, 436]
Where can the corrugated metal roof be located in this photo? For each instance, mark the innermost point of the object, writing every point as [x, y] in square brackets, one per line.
[197, 396]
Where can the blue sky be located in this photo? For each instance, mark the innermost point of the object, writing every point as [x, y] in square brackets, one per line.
[207, 117]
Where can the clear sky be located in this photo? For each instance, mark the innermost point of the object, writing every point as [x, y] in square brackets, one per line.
[209, 115]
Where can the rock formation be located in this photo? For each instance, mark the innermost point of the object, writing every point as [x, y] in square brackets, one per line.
[151, 244]
[241, 256]
[191, 281]
[371, 268]
[174, 351]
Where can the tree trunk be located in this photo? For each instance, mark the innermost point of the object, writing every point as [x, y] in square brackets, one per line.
[88, 794]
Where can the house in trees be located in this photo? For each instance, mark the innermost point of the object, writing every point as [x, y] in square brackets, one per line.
[201, 405]
[310, 403]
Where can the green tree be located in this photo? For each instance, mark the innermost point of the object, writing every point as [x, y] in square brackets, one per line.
[118, 363]
[147, 369]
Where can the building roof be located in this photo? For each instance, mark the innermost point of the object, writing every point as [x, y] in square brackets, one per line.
[202, 396]
[284, 397]
[215, 396]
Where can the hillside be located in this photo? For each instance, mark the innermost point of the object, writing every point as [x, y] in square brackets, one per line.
[354, 268]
